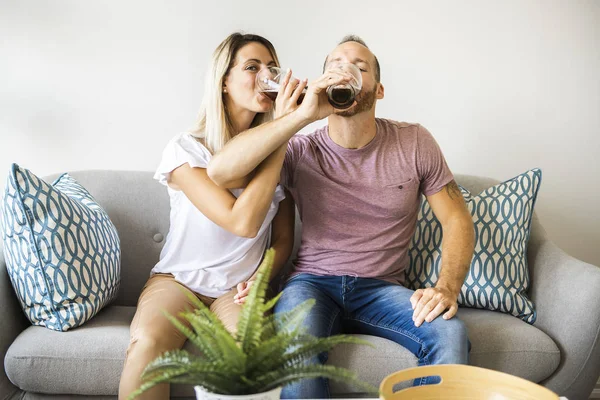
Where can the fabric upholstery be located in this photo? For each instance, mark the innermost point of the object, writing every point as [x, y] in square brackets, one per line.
[89, 360]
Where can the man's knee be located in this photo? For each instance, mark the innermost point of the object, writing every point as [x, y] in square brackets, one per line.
[323, 318]
[453, 326]
[293, 295]
[450, 340]
[451, 333]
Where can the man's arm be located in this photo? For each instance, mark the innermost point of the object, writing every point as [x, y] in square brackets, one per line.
[282, 233]
[449, 207]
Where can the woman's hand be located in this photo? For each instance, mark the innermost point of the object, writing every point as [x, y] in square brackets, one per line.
[243, 290]
[289, 93]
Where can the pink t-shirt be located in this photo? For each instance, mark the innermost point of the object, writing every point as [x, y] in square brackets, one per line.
[359, 206]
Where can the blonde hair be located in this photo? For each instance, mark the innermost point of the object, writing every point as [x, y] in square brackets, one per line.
[215, 126]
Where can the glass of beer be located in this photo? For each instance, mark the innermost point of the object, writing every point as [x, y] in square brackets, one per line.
[342, 96]
[268, 81]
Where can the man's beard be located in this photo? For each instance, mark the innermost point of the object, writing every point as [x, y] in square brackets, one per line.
[364, 100]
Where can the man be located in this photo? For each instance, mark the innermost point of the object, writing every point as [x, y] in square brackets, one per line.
[358, 183]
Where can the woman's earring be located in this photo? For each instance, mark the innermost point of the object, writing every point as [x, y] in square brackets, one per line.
[224, 90]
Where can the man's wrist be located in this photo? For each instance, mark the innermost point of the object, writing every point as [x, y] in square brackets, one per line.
[444, 285]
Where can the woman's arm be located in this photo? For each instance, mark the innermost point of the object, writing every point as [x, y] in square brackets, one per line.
[250, 148]
[242, 216]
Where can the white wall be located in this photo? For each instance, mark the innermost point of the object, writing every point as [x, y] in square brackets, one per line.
[503, 86]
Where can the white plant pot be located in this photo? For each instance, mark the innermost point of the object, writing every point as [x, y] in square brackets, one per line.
[203, 394]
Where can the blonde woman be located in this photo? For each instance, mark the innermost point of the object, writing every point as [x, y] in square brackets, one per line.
[217, 236]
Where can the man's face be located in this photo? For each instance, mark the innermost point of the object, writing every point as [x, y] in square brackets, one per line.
[357, 54]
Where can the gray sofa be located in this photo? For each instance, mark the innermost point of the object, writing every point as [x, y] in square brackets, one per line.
[561, 351]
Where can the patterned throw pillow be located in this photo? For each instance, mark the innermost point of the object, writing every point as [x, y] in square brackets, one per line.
[62, 251]
[499, 276]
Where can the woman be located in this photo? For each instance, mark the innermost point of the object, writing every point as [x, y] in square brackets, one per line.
[217, 236]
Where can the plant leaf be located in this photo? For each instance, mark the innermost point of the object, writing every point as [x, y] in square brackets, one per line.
[210, 352]
[282, 377]
[218, 338]
[185, 374]
[271, 303]
[315, 346]
[270, 352]
[289, 321]
[205, 312]
[249, 328]
[173, 358]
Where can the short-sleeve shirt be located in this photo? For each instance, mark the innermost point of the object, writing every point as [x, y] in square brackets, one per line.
[359, 206]
[199, 253]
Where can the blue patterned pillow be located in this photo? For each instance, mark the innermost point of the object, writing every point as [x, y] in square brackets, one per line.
[499, 276]
[62, 251]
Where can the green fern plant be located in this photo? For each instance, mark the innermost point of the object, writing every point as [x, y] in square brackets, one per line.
[264, 354]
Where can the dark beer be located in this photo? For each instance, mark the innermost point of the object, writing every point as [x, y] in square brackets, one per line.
[272, 94]
[340, 97]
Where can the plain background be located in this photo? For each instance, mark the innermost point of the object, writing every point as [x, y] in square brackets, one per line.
[503, 86]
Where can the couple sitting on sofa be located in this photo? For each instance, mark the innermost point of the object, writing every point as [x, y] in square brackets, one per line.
[357, 184]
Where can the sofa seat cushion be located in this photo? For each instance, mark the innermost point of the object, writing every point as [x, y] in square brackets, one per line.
[88, 360]
[504, 343]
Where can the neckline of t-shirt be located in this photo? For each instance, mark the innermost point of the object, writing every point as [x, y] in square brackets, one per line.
[340, 149]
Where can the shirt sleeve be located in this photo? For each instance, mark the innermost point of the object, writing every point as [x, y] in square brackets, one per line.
[180, 150]
[295, 150]
[434, 172]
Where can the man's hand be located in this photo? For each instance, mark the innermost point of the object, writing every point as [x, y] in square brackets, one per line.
[243, 289]
[429, 303]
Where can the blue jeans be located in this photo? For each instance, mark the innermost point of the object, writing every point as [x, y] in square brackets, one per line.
[348, 304]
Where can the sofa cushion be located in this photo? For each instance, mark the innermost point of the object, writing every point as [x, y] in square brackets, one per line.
[89, 360]
[498, 279]
[62, 251]
[504, 343]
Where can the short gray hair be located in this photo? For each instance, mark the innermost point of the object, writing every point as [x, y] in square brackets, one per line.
[353, 38]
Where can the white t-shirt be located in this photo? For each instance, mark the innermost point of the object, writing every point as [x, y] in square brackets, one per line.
[199, 253]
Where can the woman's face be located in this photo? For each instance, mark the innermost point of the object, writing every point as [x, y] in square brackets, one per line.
[240, 87]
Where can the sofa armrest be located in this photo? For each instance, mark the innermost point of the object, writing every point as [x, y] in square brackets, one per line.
[14, 322]
[566, 292]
